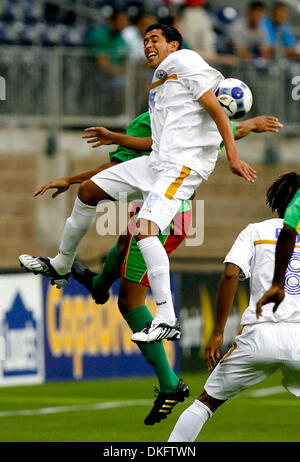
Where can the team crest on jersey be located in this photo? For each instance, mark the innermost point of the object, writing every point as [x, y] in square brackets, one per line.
[161, 74]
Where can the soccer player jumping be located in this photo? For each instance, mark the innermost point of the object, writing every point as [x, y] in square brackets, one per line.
[187, 124]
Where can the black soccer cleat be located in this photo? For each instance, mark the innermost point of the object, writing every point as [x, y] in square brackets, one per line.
[42, 265]
[164, 403]
[84, 275]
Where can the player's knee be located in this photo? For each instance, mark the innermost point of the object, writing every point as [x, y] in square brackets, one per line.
[146, 228]
[123, 302]
[89, 193]
[209, 401]
[85, 193]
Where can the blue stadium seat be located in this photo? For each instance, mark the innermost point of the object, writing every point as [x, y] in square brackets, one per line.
[73, 36]
[52, 35]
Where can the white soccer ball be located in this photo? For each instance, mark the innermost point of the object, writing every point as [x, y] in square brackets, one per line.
[228, 104]
[241, 95]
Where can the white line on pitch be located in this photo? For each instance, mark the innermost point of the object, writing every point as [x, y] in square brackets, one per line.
[266, 391]
[76, 408]
[117, 404]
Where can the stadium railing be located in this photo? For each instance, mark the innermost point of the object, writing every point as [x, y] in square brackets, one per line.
[64, 87]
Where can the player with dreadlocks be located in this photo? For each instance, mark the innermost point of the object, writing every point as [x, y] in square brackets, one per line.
[265, 343]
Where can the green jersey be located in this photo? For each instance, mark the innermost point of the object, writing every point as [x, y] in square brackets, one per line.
[139, 127]
[104, 40]
[292, 213]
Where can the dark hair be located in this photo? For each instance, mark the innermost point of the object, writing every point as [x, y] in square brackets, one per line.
[140, 15]
[281, 191]
[171, 34]
[255, 5]
[277, 4]
[116, 12]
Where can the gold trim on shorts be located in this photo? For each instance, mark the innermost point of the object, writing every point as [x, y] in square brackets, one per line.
[234, 346]
[171, 191]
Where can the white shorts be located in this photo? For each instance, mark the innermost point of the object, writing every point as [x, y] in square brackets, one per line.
[257, 352]
[161, 190]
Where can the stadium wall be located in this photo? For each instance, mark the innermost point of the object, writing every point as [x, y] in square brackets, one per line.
[34, 225]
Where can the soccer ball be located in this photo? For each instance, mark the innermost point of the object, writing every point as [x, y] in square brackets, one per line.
[235, 97]
[228, 104]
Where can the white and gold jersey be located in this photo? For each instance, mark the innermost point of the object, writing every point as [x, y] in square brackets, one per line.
[182, 131]
[254, 252]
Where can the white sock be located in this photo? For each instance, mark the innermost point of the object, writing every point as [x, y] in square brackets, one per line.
[158, 270]
[77, 225]
[190, 422]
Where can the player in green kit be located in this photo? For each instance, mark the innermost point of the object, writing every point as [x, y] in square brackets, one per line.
[125, 260]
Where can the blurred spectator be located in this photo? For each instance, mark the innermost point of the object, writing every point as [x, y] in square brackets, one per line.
[278, 32]
[109, 45]
[197, 26]
[247, 34]
[134, 35]
[176, 20]
[209, 53]
[223, 18]
[111, 53]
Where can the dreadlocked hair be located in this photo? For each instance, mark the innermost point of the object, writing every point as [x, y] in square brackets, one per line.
[281, 192]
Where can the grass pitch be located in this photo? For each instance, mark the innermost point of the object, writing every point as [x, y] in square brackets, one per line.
[114, 411]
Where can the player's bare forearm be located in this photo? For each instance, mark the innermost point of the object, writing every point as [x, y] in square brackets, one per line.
[210, 103]
[62, 184]
[225, 296]
[81, 177]
[258, 124]
[98, 136]
[134, 142]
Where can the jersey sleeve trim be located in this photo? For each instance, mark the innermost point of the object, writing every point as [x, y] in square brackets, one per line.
[162, 81]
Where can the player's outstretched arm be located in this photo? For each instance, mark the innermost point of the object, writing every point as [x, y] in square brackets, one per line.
[225, 296]
[99, 136]
[210, 103]
[62, 184]
[284, 250]
[258, 124]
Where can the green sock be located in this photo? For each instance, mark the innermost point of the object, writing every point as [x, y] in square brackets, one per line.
[111, 270]
[154, 353]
